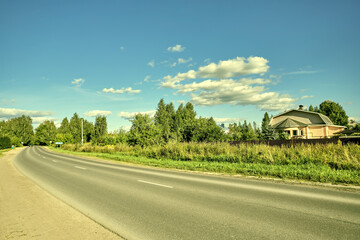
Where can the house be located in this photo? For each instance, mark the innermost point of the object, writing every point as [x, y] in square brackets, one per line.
[299, 123]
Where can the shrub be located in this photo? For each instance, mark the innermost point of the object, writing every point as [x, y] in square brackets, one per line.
[5, 142]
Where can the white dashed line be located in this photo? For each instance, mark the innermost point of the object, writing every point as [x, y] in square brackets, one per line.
[156, 184]
[80, 168]
[54, 160]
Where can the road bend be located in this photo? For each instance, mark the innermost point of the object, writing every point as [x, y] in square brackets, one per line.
[148, 203]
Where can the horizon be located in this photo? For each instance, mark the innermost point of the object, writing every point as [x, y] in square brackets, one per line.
[233, 61]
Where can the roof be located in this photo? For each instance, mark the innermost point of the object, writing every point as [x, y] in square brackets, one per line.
[288, 123]
[300, 118]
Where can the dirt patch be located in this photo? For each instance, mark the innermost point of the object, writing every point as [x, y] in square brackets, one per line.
[29, 212]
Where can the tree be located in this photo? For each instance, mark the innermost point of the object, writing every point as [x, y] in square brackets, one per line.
[144, 132]
[64, 127]
[45, 133]
[75, 128]
[235, 131]
[64, 138]
[89, 130]
[265, 122]
[311, 108]
[100, 128]
[164, 119]
[247, 132]
[20, 130]
[206, 130]
[5, 142]
[335, 112]
[267, 132]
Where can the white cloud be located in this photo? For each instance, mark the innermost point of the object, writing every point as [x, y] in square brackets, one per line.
[131, 115]
[235, 92]
[207, 60]
[234, 68]
[227, 120]
[176, 48]
[12, 112]
[306, 96]
[151, 63]
[122, 48]
[38, 120]
[302, 72]
[182, 60]
[78, 82]
[224, 69]
[225, 89]
[146, 79]
[171, 81]
[96, 113]
[122, 90]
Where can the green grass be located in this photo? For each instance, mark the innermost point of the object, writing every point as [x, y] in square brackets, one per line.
[330, 163]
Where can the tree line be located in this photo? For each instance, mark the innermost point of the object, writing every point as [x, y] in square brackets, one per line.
[168, 125]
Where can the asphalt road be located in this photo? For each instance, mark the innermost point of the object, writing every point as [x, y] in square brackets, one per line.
[147, 203]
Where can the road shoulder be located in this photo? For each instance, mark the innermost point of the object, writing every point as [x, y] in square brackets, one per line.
[29, 212]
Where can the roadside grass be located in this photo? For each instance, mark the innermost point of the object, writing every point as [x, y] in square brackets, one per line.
[331, 163]
[4, 150]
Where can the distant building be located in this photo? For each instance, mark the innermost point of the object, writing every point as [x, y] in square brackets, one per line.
[299, 123]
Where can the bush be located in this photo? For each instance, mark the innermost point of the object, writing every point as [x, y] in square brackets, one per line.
[5, 142]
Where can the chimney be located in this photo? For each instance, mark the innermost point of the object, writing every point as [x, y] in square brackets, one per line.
[301, 107]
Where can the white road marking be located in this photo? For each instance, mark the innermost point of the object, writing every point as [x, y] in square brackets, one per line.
[54, 160]
[80, 167]
[43, 157]
[156, 184]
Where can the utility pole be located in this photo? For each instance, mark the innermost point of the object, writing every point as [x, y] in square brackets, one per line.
[82, 131]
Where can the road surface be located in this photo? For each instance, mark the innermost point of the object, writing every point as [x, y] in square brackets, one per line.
[147, 203]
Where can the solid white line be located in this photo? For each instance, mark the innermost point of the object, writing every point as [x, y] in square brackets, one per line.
[80, 167]
[156, 184]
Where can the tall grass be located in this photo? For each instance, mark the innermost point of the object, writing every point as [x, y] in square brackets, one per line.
[334, 163]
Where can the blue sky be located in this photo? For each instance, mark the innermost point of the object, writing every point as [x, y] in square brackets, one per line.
[233, 60]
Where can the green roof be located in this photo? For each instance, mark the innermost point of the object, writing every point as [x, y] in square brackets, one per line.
[288, 123]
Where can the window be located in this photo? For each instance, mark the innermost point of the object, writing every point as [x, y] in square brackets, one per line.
[295, 132]
[287, 132]
[301, 133]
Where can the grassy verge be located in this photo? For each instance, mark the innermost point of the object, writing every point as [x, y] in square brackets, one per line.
[4, 150]
[326, 164]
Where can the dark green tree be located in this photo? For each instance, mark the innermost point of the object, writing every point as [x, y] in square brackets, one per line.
[267, 132]
[75, 128]
[311, 108]
[265, 122]
[64, 127]
[247, 132]
[206, 130]
[235, 132]
[45, 133]
[89, 130]
[5, 142]
[165, 120]
[20, 130]
[100, 128]
[335, 112]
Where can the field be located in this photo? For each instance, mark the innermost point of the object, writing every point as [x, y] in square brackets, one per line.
[330, 163]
